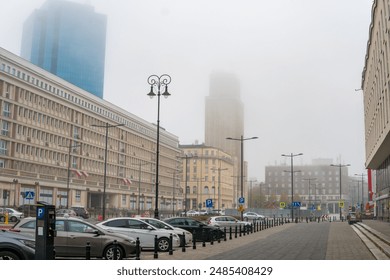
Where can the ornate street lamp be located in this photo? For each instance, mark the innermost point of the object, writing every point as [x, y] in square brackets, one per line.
[157, 82]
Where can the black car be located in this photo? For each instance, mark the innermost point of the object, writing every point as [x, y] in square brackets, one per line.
[200, 230]
[80, 211]
[15, 246]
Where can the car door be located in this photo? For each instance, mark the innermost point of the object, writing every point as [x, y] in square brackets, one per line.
[78, 234]
[144, 231]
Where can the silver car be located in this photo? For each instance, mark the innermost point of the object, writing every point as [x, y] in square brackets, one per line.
[228, 222]
[146, 233]
[182, 233]
[73, 235]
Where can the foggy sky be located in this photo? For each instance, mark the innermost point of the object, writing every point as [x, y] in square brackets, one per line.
[298, 61]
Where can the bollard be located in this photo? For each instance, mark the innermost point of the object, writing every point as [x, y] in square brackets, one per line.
[203, 238]
[170, 244]
[137, 249]
[252, 225]
[194, 240]
[115, 248]
[230, 233]
[240, 231]
[235, 232]
[224, 235]
[244, 229]
[88, 251]
[155, 256]
[183, 249]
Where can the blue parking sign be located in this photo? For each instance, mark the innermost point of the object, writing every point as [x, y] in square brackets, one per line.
[209, 203]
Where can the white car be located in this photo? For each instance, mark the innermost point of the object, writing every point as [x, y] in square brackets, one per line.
[253, 216]
[191, 213]
[146, 233]
[13, 215]
[182, 233]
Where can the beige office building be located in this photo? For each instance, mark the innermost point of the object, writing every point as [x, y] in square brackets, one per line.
[53, 145]
[209, 174]
[376, 90]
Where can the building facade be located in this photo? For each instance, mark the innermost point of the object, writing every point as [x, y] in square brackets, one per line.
[69, 40]
[208, 173]
[52, 143]
[316, 186]
[376, 89]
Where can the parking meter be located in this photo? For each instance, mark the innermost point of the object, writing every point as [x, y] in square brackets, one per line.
[45, 231]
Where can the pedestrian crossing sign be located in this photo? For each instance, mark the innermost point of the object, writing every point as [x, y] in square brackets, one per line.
[341, 204]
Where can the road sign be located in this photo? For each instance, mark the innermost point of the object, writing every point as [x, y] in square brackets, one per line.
[296, 204]
[30, 195]
[241, 208]
[209, 203]
[282, 204]
[341, 204]
[241, 200]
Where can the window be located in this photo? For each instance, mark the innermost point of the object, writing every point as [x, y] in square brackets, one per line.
[5, 128]
[6, 110]
[78, 195]
[3, 147]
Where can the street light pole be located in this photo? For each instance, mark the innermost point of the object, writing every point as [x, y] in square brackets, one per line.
[106, 126]
[309, 179]
[219, 184]
[250, 198]
[158, 81]
[242, 139]
[15, 181]
[292, 180]
[68, 176]
[362, 204]
[340, 166]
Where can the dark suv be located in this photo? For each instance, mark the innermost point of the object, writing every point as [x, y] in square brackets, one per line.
[80, 211]
[15, 246]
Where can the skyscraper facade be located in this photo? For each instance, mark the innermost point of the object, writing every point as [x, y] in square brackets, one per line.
[69, 40]
[224, 113]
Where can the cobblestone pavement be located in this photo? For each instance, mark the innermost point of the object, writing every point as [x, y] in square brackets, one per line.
[339, 242]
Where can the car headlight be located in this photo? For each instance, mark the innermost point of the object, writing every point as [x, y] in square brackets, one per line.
[132, 242]
[28, 243]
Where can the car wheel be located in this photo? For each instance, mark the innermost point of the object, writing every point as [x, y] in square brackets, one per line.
[6, 255]
[14, 219]
[109, 253]
[163, 244]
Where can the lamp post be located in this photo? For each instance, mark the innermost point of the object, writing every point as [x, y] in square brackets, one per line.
[250, 198]
[309, 180]
[186, 157]
[362, 204]
[292, 179]
[158, 81]
[15, 181]
[107, 126]
[242, 139]
[70, 147]
[340, 166]
[219, 184]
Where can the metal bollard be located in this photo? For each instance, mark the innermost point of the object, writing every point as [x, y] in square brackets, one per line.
[115, 248]
[155, 255]
[88, 251]
[170, 244]
[224, 236]
[240, 231]
[183, 249]
[194, 239]
[137, 249]
[235, 232]
[203, 238]
[230, 233]
[244, 229]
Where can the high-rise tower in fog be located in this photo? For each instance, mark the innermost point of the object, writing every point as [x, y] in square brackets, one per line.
[224, 113]
[69, 40]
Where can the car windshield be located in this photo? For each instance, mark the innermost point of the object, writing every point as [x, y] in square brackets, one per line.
[157, 224]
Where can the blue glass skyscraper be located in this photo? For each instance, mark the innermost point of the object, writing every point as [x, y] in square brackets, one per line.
[69, 40]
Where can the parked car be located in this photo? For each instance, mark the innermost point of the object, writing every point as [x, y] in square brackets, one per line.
[253, 216]
[80, 211]
[66, 213]
[146, 233]
[73, 235]
[13, 215]
[29, 210]
[16, 246]
[201, 230]
[182, 233]
[228, 222]
[190, 213]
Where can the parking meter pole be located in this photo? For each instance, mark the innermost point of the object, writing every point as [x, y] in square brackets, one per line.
[45, 231]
